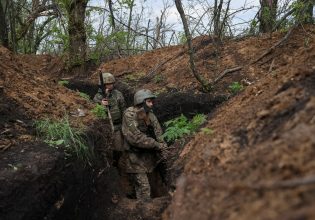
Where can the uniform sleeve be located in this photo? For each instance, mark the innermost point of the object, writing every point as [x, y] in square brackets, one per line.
[122, 103]
[98, 97]
[157, 128]
[133, 135]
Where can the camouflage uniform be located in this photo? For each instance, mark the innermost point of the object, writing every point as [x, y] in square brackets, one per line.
[142, 133]
[117, 106]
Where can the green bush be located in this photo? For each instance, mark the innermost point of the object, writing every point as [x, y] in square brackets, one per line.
[99, 111]
[61, 134]
[235, 87]
[180, 126]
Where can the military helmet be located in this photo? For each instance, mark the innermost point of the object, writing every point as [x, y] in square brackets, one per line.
[108, 78]
[142, 95]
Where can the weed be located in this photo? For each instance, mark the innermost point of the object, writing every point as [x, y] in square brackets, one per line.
[85, 96]
[180, 126]
[63, 82]
[99, 111]
[134, 76]
[207, 131]
[158, 78]
[61, 134]
[235, 87]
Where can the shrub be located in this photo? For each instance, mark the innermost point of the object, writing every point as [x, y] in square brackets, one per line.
[99, 111]
[61, 134]
[235, 87]
[180, 126]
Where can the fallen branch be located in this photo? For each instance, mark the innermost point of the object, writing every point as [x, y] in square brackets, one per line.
[226, 72]
[274, 46]
[159, 65]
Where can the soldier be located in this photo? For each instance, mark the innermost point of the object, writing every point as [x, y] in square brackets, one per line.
[115, 102]
[142, 133]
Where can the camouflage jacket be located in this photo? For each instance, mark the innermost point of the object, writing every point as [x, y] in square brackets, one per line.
[142, 133]
[117, 105]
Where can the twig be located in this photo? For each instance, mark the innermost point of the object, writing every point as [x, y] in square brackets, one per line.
[283, 19]
[292, 183]
[226, 72]
[271, 65]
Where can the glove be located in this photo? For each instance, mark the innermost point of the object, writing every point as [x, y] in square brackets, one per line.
[163, 148]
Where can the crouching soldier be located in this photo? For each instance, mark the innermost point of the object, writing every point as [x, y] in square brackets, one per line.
[114, 101]
[142, 133]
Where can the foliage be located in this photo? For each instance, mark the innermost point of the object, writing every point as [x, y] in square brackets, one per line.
[235, 87]
[299, 13]
[207, 131]
[62, 134]
[182, 38]
[63, 82]
[85, 96]
[180, 126]
[99, 111]
[158, 78]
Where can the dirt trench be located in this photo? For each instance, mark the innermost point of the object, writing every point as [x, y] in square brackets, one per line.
[52, 188]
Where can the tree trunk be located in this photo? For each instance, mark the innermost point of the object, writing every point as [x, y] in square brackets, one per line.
[200, 79]
[130, 5]
[4, 40]
[114, 30]
[216, 18]
[268, 15]
[77, 36]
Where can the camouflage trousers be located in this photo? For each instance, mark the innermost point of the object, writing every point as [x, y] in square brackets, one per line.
[142, 186]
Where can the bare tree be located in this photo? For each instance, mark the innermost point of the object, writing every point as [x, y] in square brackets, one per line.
[203, 82]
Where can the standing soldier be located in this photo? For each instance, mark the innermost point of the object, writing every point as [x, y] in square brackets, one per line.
[142, 133]
[114, 101]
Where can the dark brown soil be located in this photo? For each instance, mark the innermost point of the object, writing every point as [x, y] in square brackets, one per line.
[257, 164]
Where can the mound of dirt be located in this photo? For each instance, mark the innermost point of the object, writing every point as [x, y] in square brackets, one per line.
[258, 163]
[33, 174]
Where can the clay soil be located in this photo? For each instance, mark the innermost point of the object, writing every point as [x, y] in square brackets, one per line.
[258, 163]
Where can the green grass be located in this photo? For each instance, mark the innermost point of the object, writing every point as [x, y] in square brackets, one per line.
[63, 82]
[60, 134]
[181, 126]
[85, 96]
[235, 87]
[99, 111]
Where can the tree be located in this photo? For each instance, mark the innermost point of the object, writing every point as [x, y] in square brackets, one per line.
[77, 35]
[200, 79]
[267, 15]
[4, 40]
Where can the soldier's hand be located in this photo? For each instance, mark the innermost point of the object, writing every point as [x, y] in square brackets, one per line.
[163, 150]
[105, 102]
[163, 147]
